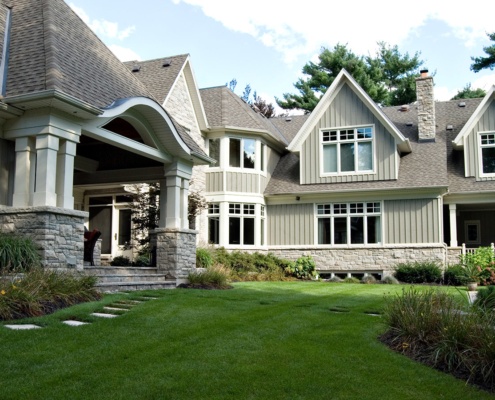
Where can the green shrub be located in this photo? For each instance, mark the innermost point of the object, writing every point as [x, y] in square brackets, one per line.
[390, 280]
[121, 261]
[485, 299]
[428, 325]
[455, 275]
[351, 279]
[142, 260]
[303, 268]
[204, 258]
[40, 291]
[336, 279]
[418, 272]
[17, 253]
[368, 279]
[216, 276]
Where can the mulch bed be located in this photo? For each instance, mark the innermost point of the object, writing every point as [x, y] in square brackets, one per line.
[420, 354]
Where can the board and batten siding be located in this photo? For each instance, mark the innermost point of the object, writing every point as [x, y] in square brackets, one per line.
[485, 123]
[412, 221]
[290, 224]
[242, 182]
[348, 110]
[214, 181]
[272, 159]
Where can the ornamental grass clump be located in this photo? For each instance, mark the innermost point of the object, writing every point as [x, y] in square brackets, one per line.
[216, 276]
[40, 291]
[435, 328]
[17, 253]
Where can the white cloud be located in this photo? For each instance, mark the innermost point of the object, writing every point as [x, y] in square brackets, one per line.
[443, 93]
[103, 27]
[302, 30]
[484, 82]
[123, 53]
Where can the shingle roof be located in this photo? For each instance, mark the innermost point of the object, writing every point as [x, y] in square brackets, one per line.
[289, 126]
[158, 78]
[52, 48]
[430, 164]
[224, 108]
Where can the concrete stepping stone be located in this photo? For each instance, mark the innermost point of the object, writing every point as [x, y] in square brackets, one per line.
[115, 309]
[71, 322]
[104, 315]
[22, 327]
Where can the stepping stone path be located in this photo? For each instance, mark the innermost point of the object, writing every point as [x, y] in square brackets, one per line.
[121, 305]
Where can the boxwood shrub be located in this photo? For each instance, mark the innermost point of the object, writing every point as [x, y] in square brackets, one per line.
[418, 272]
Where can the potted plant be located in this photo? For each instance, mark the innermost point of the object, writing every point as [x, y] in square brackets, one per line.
[472, 272]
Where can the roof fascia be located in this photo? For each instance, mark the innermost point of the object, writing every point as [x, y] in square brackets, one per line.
[192, 86]
[458, 142]
[19, 101]
[327, 99]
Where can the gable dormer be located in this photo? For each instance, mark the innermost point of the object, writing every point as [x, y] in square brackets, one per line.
[348, 138]
[477, 140]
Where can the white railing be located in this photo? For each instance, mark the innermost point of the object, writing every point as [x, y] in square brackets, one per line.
[469, 250]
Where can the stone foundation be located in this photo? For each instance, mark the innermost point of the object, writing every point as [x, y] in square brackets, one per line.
[453, 255]
[58, 232]
[175, 252]
[376, 259]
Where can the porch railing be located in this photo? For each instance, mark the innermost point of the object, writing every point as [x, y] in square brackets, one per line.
[469, 250]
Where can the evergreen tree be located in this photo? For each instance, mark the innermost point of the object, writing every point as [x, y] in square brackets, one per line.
[485, 62]
[468, 93]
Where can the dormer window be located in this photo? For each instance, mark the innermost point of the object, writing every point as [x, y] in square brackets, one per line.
[347, 150]
[487, 148]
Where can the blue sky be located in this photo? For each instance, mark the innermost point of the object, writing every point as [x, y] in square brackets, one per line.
[265, 43]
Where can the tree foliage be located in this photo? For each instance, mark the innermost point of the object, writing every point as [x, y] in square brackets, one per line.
[485, 62]
[388, 77]
[469, 93]
[256, 102]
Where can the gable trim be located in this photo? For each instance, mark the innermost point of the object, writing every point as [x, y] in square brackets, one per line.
[327, 99]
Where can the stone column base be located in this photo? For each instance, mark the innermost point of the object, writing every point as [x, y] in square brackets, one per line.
[175, 252]
[58, 232]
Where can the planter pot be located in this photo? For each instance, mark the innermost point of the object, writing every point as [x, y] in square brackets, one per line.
[472, 286]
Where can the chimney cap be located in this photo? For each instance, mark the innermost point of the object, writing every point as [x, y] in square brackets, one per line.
[424, 73]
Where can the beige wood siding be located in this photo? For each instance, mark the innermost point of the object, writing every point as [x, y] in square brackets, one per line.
[242, 182]
[290, 224]
[214, 181]
[486, 123]
[348, 110]
[411, 221]
[7, 170]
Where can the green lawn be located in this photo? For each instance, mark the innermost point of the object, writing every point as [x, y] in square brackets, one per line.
[258, 341]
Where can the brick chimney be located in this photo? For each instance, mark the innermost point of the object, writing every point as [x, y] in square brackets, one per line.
[426, 107]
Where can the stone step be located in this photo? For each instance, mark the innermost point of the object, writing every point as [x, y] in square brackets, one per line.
[110, 270]
[131, 278]
[125, 286]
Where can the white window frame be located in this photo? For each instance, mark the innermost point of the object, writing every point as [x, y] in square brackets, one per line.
[242, 211]
[214, 212]
[332, 212]
[323, 142]
[480, 151]
[241, 155]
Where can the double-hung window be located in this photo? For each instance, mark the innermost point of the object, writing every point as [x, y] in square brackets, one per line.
[347, 150]
[487, 147]
[349, 223]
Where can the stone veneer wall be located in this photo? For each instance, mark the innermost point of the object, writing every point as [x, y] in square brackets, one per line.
[58, 232]
[175, 252]
[364, 259]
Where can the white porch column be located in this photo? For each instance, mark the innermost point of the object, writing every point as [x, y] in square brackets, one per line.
[25, 162]
[65, 175]
[184, 204]
[46, 171]
[163, 203]
[173, 208]
[453, 225]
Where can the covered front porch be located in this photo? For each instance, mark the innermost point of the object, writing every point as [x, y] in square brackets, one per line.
[468, 224]
[63, 163]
